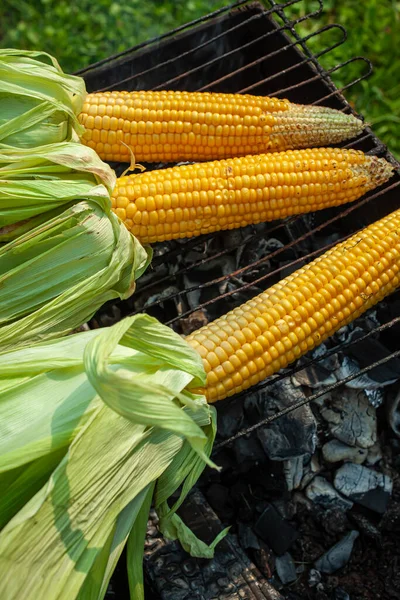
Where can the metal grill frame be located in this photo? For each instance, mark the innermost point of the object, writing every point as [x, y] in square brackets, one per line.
[111, 74]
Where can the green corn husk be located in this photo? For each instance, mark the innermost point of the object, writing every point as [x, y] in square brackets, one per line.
[55, 277]
[37, 184]
[61, 407]
[39, 103]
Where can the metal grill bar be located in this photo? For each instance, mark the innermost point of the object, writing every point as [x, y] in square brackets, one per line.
[212, 257]
[296, 86]
[253, 283]
[348, 85]
[305, 61]
[162, 36]
[241, 48]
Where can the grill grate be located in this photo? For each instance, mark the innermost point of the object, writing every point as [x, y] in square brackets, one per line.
[247, 47]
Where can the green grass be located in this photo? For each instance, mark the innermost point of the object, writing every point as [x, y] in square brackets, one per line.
[373, 28]
[79, 32]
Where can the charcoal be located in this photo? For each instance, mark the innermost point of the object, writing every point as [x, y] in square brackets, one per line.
[286, 508]
[230, 419]
[374, 455]
[193, 297]
[278, 533]
[335, 451]
[219, 498]
[248, 452]
[340, 594]
[372, 350]
[291, 435]
[364, 486]
[293, 471]
[319, 374]
[372, 387]
[285, 568]
[257, 249]
[271, 478]
[160, 296]
[311, 469]
[314, 578]
[241, 495]
[375, 397]
[194, 321]
[330, 363]
[314, 376]
[350, 367]
[174, 575]
[351, 418]
[393, 413]
[247, 537]
[321, 492]
[386, 312]
[337, 556]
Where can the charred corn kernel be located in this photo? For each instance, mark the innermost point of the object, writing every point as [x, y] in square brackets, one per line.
[235, 192]
[170, 126]
[375, 249]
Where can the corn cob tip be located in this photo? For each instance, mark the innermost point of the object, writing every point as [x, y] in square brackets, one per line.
[376, 170]
[315, 125]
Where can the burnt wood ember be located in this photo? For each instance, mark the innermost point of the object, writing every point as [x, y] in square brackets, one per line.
[230, 575]
[254, 48]
[295, 433]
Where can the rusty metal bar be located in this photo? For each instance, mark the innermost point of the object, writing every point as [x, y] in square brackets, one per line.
[278, 52]
[307, 400]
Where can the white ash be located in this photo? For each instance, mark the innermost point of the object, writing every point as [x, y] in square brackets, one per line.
[321, 492]
[393, 412]
[375, 397]
[293, 472]
[374, 455]
[159, 296]
[311, 469]
[351, 367]
[222, 266]
[336, 451]
[353, 481]
[315, 376]
[350, 417]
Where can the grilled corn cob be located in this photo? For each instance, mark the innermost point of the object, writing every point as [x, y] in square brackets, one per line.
[172, 126]
[270, 331]
[201, 198]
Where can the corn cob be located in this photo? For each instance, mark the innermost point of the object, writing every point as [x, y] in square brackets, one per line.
[171, 126]
[201, 198]
[272, 330]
